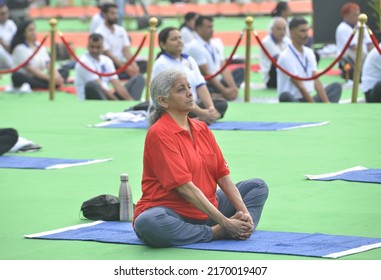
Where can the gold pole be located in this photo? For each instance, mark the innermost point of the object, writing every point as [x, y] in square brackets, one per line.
[52, 81]
[152, 31]
[356, 74]
[249, 21]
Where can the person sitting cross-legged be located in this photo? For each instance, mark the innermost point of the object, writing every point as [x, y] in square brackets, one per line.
[182, 166]
[91, 86]
[207, 108]
[208, 53]
[300, 61]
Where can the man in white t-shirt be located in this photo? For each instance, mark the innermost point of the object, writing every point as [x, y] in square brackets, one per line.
[210, 59]
[371, 76]
[275, 42]
[116, 43]
[7, 30]
[91, 86]
[300, 61]
[98, 18]
[349, 13]
[187, 28]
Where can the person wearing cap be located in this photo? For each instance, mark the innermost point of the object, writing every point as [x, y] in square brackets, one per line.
[349, 13]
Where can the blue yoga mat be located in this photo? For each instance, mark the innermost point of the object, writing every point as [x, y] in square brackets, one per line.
[261, 126]
[354, 174]
[288, 243]
[43, 163]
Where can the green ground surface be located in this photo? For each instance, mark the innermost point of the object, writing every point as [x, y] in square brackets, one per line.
[32, 201]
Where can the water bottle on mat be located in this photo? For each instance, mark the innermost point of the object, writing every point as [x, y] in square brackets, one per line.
[126, 210]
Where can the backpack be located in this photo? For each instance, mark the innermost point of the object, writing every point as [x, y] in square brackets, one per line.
[102, 207]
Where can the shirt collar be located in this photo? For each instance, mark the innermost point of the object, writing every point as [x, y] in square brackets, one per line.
[296, 51]
[183, 55]
[27, 45]
[175, 128]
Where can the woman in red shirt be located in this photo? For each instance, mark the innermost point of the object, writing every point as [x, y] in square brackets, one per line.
[182, 167]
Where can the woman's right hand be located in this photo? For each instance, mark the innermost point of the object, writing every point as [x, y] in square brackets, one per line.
[237, 228]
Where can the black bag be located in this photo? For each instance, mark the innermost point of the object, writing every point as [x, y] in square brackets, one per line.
[102, 207]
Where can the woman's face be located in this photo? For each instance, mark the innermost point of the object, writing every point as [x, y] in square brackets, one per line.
[30, 33]
[180, 97]
[174, 44]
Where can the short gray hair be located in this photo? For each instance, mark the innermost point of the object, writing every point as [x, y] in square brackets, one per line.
[160, 86]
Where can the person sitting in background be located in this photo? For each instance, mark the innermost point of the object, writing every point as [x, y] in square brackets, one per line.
[349, 13]
[36, 72]
[187, 28]
[19, 10]
[283, 10]
[275, 42]
[300, 61]
[91, 86]
[171, 57]
[8, 29]
[210, 59]
[371, 76]
[116, 43]
[98, 18]
[10, 141]
[182, 166]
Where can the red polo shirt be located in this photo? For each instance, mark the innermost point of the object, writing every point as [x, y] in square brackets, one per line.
[171, 159]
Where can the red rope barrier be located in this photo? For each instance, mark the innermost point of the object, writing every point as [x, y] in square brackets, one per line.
[118, 71]
[374, 40]
[15, 69]
[208, 77]
[300, 78]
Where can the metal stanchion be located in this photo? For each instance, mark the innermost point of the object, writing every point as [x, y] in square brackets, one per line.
[152, 30]
[52, 80]
[357, 71]
[249, 21]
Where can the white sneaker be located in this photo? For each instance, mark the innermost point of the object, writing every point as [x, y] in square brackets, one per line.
[25, 88]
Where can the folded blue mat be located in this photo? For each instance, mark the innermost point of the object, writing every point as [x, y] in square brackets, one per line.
[354, 174]
[262, 126]
[43, 163]
[288, 243]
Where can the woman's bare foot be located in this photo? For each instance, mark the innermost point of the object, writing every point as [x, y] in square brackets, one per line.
[220, 233]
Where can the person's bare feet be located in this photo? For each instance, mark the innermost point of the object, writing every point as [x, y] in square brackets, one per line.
[220, 233]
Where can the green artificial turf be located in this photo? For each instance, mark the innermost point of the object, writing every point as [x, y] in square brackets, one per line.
[32, 201]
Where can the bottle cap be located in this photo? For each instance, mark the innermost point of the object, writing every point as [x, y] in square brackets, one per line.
[124, 177]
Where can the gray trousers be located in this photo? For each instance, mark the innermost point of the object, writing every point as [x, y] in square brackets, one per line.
[374, 95]
[333, 93]
[238, 77]
[134, 86]
[162, 227]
